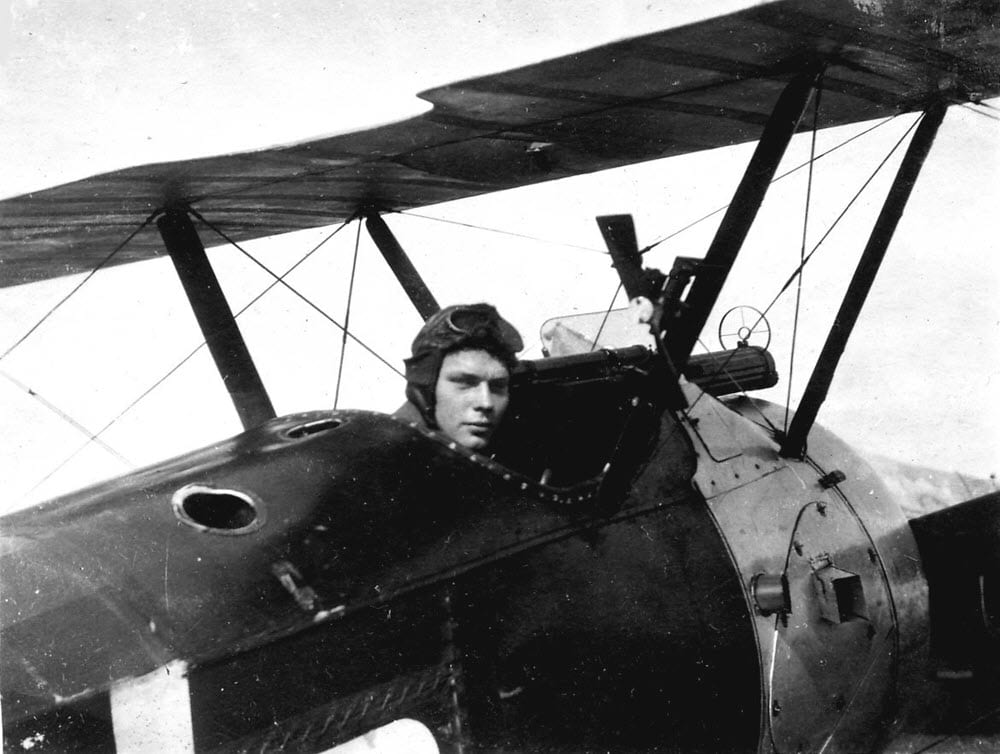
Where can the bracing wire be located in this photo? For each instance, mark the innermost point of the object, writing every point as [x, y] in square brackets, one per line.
[65, 417]
[82, 283]
[833, 225]
[809, 256]
[155, 213]
[347, 317]
[500, 231]
[722, 369]
[787, 173]
[280, 280]
[798, 271]
[802, 250]
[977, 111]
[659, 241]
[94, 437]
[607, 314]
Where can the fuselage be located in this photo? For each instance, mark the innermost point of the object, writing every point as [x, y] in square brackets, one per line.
[328, 573]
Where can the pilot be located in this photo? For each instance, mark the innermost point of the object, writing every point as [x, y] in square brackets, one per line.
[458, 376]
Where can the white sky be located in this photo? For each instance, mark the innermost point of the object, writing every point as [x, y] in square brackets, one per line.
[86, 88]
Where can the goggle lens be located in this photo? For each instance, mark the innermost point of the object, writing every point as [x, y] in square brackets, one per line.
[473, 320]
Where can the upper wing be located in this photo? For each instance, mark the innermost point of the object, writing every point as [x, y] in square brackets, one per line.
[706, 85]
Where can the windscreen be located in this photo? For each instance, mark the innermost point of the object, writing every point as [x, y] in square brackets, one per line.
[582, 333]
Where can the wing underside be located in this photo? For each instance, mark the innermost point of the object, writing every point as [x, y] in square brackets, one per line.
[707, 85]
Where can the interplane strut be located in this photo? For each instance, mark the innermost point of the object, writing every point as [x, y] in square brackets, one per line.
[871, 259]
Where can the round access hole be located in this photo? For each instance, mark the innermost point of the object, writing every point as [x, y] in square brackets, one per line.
[217, 511]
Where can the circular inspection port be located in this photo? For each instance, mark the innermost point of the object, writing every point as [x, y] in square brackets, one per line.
[312, 428]
[218, 511]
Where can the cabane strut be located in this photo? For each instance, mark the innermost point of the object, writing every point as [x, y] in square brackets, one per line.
[421, 297]
[215, 318]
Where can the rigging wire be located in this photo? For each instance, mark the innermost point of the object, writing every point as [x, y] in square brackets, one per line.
[607, 314]
[723, 369]
[977, 111]
[281, 280]
[802, 250]
[500, 231]
[833, 225]
[798, 271]
[787, 173]
[65, 417]
[83, 282]
[675, 233]
[347, 317]
[94, 437]
[153, 215]
[809, 256]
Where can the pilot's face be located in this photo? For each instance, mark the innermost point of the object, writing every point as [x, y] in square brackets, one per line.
[471, 396]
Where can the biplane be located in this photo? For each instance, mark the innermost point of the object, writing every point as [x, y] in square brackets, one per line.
[652, 560]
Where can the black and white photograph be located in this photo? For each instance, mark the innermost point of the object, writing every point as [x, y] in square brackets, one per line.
[502, 376]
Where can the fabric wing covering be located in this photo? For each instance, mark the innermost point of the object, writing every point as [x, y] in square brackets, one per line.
[681, 90]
